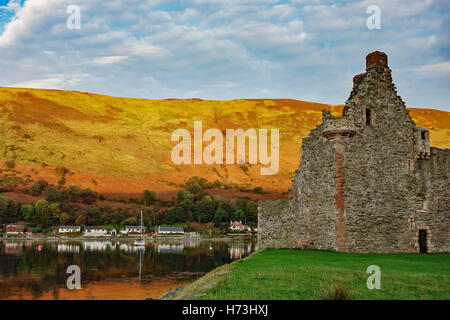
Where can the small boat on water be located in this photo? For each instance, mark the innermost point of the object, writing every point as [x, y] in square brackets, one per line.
[141, 241]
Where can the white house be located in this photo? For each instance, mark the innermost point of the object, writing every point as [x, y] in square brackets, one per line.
[170, 230]
[238, 226]
[69, 229]
[134, 229]
[95, 231]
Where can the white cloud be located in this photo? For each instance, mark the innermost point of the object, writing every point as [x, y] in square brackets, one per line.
[107, 60]
[12, 5]
[435, 69]
[57, 81]
[304, 49]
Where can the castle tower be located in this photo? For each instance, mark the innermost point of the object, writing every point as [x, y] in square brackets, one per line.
[368, 180]
[376, 59]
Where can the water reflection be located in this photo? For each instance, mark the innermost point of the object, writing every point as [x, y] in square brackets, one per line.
[109, 269]
[68, 248]
[240, 250]
[170, 248]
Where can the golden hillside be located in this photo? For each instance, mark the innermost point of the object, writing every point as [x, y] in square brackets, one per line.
[122, 145]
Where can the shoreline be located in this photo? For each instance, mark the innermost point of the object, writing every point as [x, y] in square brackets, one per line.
[82, 238]
[209, 280]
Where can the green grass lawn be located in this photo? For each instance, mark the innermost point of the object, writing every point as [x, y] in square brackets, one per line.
[295, 274]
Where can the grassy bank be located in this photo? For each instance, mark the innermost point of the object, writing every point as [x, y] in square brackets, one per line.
[293, 274]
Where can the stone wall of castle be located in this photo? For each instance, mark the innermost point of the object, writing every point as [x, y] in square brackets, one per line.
[432, 201]
[368, 180]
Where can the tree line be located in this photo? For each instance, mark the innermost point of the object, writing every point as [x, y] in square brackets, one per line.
[74, 205]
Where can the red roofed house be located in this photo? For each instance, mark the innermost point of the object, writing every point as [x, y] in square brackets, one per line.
[15, 228]
[238, 226]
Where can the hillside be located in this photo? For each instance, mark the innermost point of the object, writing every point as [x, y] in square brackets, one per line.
[122, 145]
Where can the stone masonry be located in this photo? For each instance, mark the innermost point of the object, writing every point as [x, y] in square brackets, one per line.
[368, 180]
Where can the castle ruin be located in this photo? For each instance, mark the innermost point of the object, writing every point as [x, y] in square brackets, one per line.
[368, 180]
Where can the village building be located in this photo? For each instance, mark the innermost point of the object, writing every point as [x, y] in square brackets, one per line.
[239, 226]
[15, 228]
[95, 231]
[170, 230]
[368, 180]
[134, 229]
[69, 229]
[192, 234]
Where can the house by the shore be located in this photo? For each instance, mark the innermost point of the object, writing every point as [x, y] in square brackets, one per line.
[17, 228]
[69, 229]
[239, 226]
[134, 229]
[95, 231]
[170, 230]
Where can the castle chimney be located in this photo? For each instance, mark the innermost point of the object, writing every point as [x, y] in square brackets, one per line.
[356, 79]
[376, 59]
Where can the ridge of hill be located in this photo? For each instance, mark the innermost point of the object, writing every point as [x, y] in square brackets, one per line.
[123, 145]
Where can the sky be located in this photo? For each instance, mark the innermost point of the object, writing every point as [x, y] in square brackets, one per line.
[225, 49]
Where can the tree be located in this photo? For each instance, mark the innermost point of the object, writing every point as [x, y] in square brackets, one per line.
[204, 209]
[252, 216]
[186, 199]
[93, 216]
[149, 196]
[237, 215]
[185, 195]
[258, 190]
[117, 217]
[158, 216]
[218, 216]
[196, 185]
[3, 211]
[74, 193]
[224, 204]
[42, 212]
[173, 215]
[241, 204]
[53, 195]
[89, 196]
[130, 221]
[63, 218]
[53, 212]
[27, 211]
[12, 211]
[9, 211]
[61, 181]
[81, 219]
[38, 187]
[207, 199]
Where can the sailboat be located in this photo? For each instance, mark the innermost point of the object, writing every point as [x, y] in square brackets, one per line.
[140, 250]
[141, 241]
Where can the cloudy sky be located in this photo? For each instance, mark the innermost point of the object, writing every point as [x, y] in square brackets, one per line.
[225, 49]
